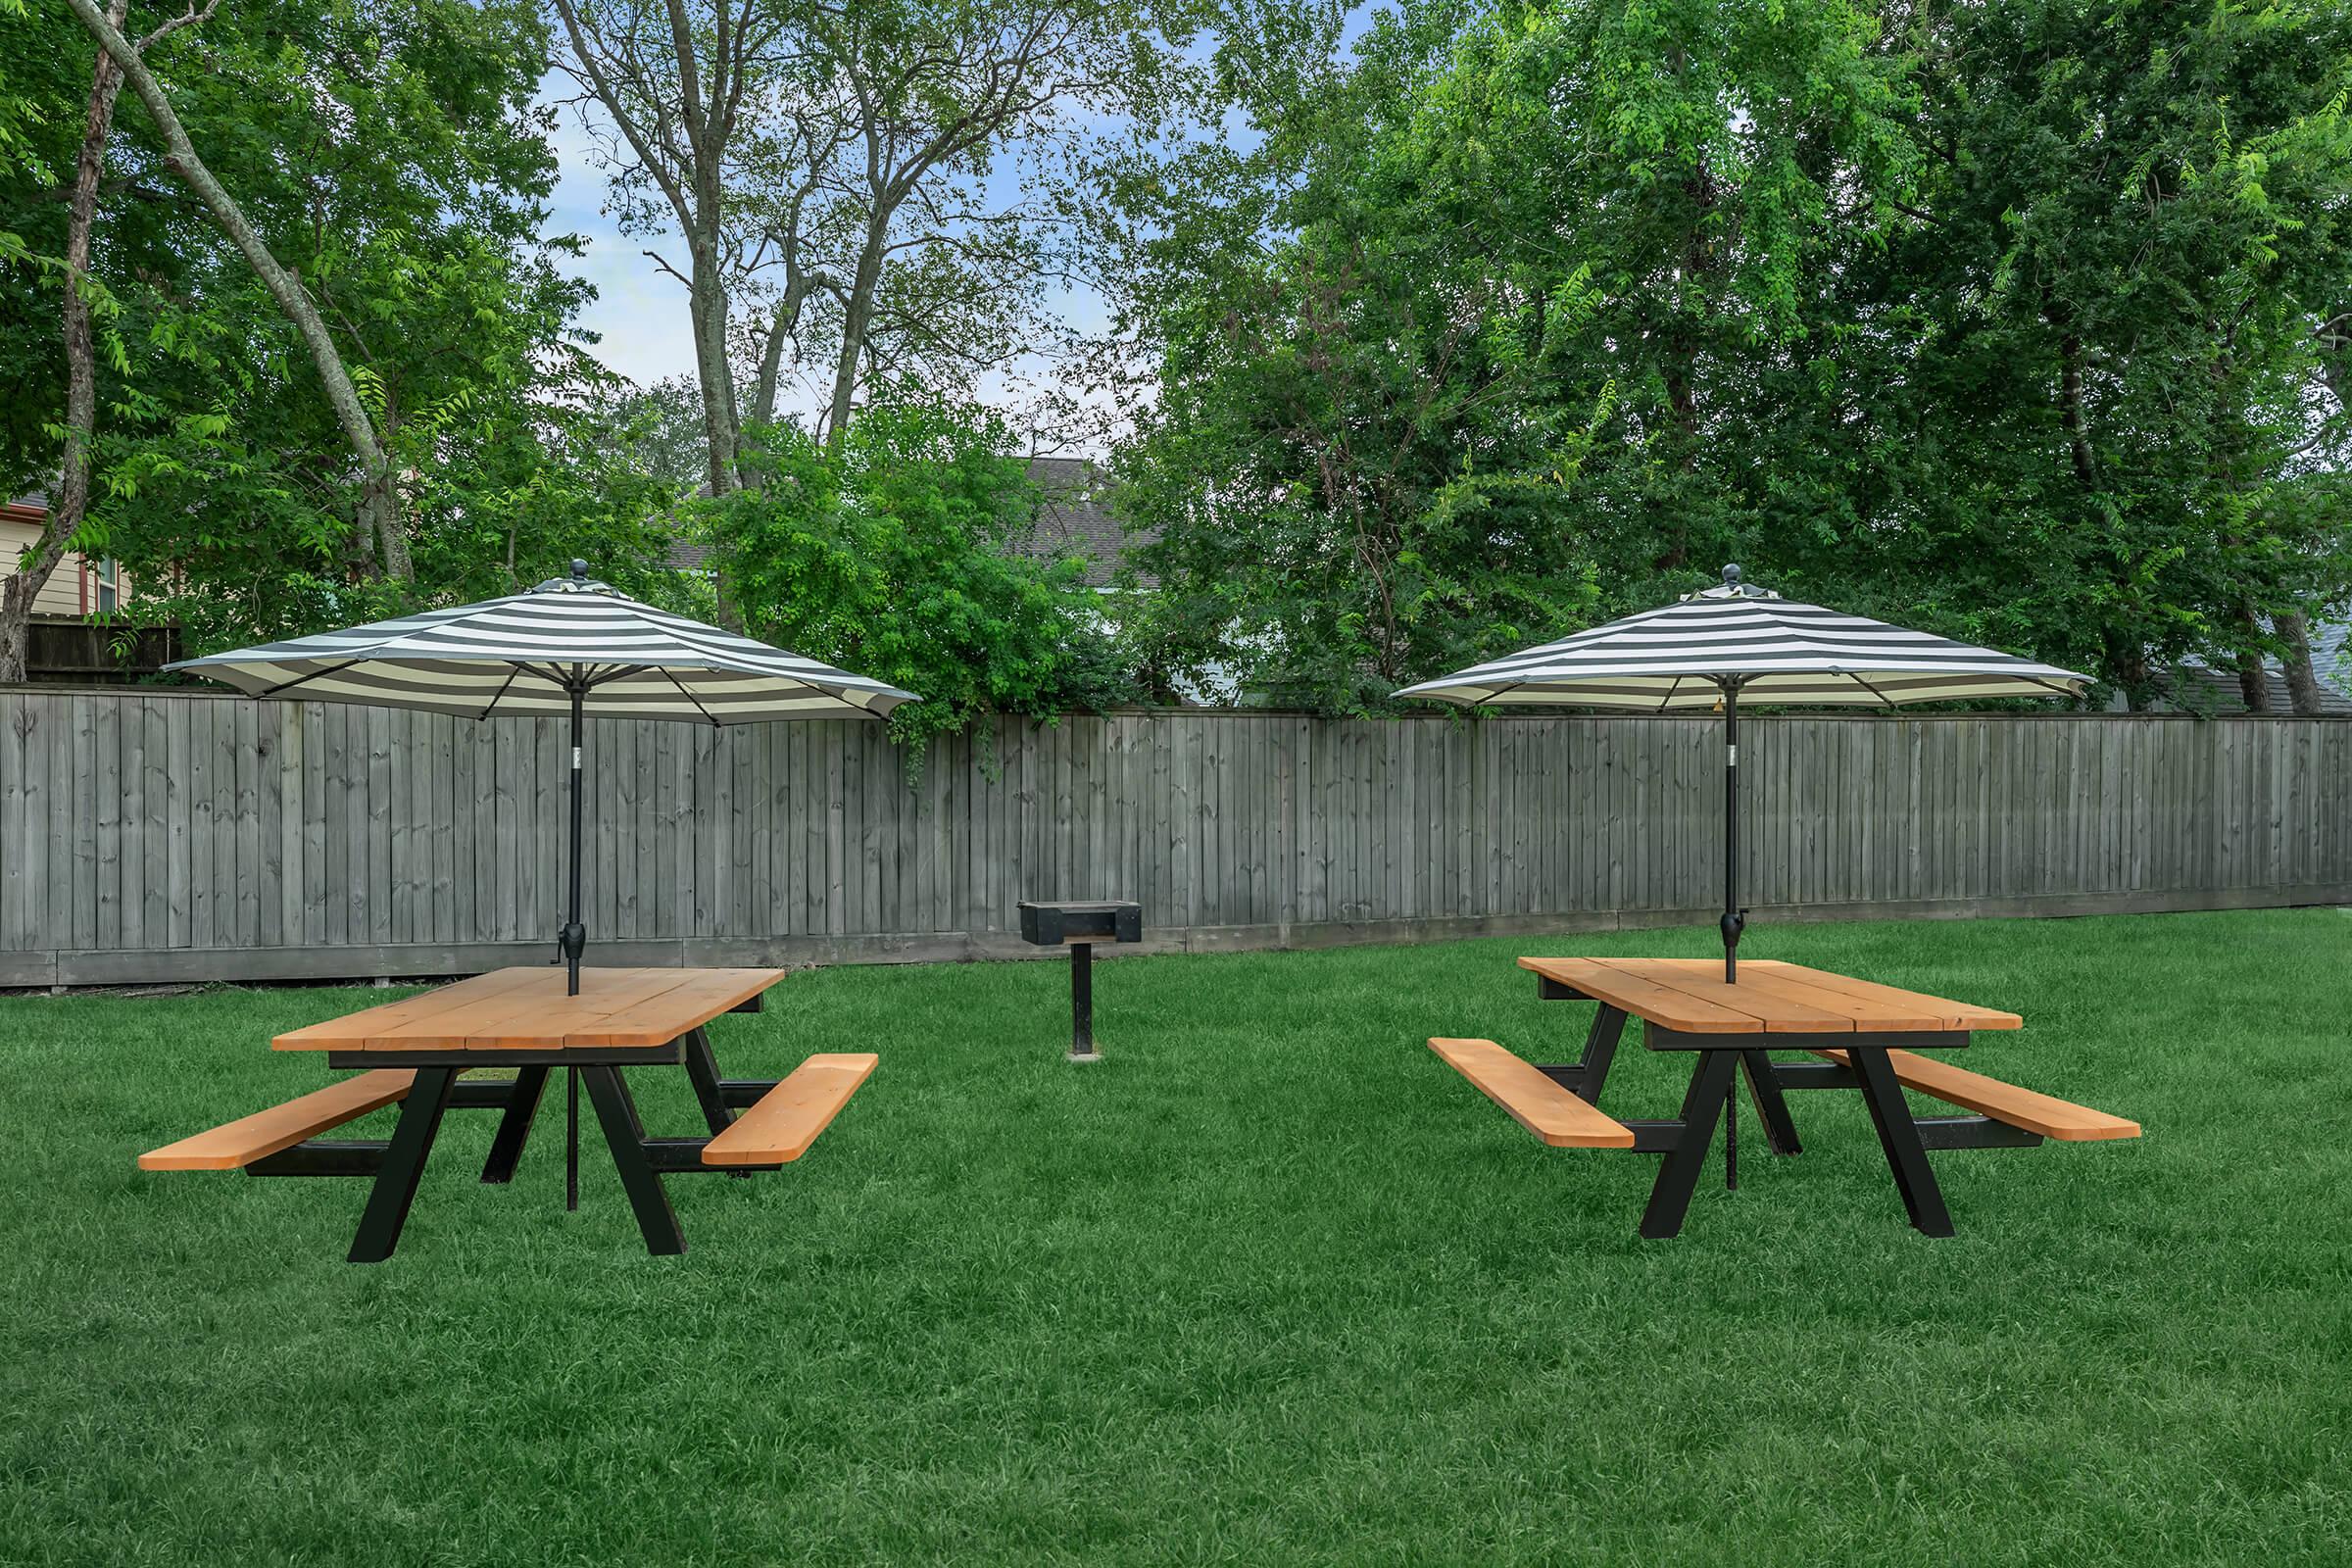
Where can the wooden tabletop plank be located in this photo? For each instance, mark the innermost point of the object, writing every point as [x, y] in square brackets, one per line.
[1777, 1013]
[1689, 995]
[549, 1023]
[1646, 999]
[1950, 1013]
[1864, 1012]
[346, 1032]
[528, 1009]
[705, 994]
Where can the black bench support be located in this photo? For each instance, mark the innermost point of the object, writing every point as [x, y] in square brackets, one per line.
[1584, 1076]
[324, 1156]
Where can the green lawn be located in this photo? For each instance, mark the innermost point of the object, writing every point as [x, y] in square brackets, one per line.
[1271, 1285]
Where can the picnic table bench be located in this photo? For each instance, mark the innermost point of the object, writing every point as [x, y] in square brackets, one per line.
[1867, 1037]
[412, 1053]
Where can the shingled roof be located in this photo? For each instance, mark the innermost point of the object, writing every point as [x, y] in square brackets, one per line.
[1076, 521]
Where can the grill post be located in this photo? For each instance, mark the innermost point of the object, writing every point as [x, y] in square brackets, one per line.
[1078, 926]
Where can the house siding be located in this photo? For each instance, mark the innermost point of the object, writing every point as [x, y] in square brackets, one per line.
[72, 589]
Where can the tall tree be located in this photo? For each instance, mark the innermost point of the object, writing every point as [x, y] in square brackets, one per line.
[2021, 322]
[2081, 381]
[390, 156]
[1471, 379]
[379, 504]
[68, 505]
[847, 181]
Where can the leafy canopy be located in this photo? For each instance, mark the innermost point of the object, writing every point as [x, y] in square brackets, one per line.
[901, 551]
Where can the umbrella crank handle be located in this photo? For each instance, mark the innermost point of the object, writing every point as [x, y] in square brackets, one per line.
[1732, 925]
[571, 942]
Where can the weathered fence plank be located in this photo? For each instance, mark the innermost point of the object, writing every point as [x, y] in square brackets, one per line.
[168, 835]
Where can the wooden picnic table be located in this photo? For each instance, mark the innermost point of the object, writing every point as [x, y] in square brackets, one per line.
[412, 1052]
[1867, 1035]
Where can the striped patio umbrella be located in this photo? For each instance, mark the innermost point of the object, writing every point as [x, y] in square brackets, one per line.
[569, 644]
[1713, 647]
[566, 646]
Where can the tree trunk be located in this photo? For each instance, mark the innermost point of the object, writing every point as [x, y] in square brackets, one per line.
[2302, 681]
[707, 308]
[2253, 682]
[379, 502]
[857, 312]
[72, 503]
[2070, 411]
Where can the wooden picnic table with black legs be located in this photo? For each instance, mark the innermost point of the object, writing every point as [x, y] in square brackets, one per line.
[1866, 1035]
[412, 1052]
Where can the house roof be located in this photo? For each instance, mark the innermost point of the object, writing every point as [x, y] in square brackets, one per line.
[2202, 689]
[2330, 654]
[2199, 687]
[1076, 521]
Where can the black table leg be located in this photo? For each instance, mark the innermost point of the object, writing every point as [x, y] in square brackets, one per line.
[514, 1127]
[702, 1071]
[404, 1163]
[624, 1134]
[1678, 1172]
[1899, 1136]
[1772, 1107]
[1584, 1076]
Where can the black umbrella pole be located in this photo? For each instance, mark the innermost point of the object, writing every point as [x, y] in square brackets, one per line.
[575, 943]
[574, 939]
[1733, 920]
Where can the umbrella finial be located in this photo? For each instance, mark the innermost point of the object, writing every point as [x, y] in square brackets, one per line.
[1730, 574]
[579, 570]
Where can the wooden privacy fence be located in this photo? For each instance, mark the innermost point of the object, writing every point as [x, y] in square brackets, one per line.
[150, 835]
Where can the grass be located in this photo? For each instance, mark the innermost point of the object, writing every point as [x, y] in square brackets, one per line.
[1271, 1285]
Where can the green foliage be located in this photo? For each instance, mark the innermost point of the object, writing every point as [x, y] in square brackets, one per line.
[2024, 322]
[898, 552]
[393, 155]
